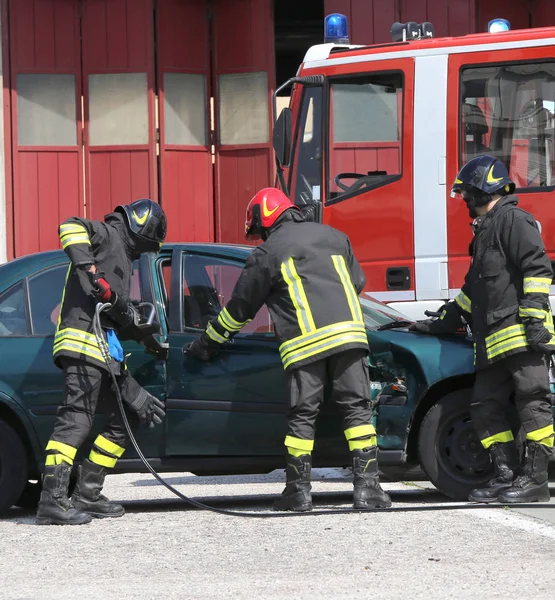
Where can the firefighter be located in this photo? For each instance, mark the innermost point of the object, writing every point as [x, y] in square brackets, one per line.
[505, 299]
[308, 277]
[101, 255]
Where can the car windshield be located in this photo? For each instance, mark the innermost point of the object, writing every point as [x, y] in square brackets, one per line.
[376, 314]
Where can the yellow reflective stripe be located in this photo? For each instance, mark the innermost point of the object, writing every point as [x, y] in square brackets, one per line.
[74, 239]
[77, 334]
[504, 436]
[214, 335]
[537, 285]
[505, 334]
[62, 301]
[103, 461]
[359, 431]
[79, 349]
[295, 452]
[57, 459]
[361, 444]
[507, 346]
[352, 298]
[298, 443]
[540, 434]
[108, 446]
[65, 227]
[534, 313]
[548, 441]
[329, 344]
[228, 322]
[302, 341]
[65, 449]
[298, 296]
[464, 302]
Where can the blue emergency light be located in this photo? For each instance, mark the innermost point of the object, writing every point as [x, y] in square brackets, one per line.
[498, 25]
[336, 30]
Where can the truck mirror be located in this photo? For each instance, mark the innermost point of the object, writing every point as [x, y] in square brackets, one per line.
[282, 137]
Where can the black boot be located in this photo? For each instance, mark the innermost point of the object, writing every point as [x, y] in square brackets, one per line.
[87, 496]
[296, 495]
[504, 456]
[55, 508]
[368, 492]
[532, 485]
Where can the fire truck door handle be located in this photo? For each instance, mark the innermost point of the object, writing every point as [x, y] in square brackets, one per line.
[398, 278]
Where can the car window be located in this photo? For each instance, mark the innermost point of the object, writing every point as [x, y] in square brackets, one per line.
[208, 283]
[376, 314]
[13, 317]
[45, 293]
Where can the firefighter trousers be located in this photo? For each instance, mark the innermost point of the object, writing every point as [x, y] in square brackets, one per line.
[88, 388]
[526, 375]
[344, 379]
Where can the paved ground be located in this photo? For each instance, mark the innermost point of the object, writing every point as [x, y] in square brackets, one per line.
[162, 549]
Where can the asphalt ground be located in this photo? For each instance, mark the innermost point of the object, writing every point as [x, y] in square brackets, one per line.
[163, 549]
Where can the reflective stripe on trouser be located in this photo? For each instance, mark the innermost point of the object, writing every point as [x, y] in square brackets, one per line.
[59, 452]
[105, 453]
[343, 377]
[297, 446]
[361, 437]
[87, 387]
[526, 375]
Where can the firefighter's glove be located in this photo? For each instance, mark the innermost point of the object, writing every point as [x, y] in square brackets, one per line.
[202, 348]
[101, 288]
[537, 335]
[423, 326]
[123, 313]
[149, 409]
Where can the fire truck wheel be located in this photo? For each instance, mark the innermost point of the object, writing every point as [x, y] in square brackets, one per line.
[449, 450]
[13, 467]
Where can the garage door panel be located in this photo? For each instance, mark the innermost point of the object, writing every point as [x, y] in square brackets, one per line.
[70, 184]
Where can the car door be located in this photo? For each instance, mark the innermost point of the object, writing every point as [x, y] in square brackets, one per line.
[236, 404]
[39, 383]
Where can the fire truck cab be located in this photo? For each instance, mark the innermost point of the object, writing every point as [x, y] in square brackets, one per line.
[375, 135]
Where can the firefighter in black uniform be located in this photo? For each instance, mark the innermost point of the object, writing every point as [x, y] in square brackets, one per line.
[308, 277]
[505, 299]
[101, 255]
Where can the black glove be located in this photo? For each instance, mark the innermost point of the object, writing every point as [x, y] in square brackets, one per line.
[149, 409]
[422, 326]
[123, 313]
[537, 335]
[202, 349]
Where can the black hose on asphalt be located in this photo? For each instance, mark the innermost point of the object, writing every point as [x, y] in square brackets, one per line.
[97, 328]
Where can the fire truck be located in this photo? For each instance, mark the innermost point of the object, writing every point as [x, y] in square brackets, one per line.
[375, 135]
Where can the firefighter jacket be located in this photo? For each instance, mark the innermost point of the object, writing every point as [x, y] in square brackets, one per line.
[309, 279]
[112, 248]
[508, 281]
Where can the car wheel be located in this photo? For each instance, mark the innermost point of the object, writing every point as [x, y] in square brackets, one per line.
[30, 496]
[449, 449]
[13, 467]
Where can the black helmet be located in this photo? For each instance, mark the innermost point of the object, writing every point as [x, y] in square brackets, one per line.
[146, 220]
[484, 173]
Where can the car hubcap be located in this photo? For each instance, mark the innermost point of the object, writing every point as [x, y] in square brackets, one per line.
[461, 453]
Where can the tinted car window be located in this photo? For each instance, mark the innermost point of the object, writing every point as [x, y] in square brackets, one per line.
[13, 320]
[376, 314]
[45, 291]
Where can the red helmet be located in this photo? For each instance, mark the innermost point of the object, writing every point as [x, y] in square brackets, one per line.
[263, 211]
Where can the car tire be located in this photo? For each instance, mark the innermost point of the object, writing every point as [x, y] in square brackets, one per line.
[30, 496]
[13, 467]
[449, 450]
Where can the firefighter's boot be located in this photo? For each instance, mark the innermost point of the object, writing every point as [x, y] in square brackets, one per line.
[532, 485]
[87, 496]
[504, 456]
[55, 508]
[296, 495]
[367, 490]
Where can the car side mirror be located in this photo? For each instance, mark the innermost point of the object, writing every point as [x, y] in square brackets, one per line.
[283, 129]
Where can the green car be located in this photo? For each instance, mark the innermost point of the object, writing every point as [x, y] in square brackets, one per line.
[228, 416]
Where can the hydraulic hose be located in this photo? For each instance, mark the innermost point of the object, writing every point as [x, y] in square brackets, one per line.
[101, 339]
